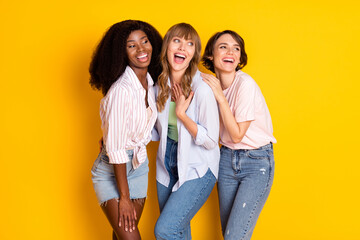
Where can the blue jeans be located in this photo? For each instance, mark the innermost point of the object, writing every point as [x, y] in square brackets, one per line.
[245, 179]
[179, 207]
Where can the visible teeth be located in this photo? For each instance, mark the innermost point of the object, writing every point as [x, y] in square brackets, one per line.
[228, 60]
[180, 56]
[142, 56]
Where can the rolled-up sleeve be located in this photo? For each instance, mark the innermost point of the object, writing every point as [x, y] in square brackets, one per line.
[208, 118]
[116, 120]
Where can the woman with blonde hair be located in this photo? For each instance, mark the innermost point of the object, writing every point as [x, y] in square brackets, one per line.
[188, 129]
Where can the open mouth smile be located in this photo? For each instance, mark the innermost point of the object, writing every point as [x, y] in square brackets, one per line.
[143, 57]
[228, 60]
[179, 58]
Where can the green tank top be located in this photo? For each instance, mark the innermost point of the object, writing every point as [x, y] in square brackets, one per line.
[172, 124]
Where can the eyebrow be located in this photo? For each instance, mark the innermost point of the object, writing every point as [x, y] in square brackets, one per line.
[228, 44]
[140, 39]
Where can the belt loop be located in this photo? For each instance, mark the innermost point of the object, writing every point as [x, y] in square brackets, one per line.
[233, 159]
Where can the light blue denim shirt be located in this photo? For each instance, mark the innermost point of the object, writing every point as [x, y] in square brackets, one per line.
[195, 155]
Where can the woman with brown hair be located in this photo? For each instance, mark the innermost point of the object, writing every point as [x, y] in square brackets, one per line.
[247, 162]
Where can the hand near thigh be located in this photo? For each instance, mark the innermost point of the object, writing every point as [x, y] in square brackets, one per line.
[127, 214]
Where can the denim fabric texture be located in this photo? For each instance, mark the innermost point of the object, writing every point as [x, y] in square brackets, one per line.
[179, 207]
[245, 180]
[104, 181]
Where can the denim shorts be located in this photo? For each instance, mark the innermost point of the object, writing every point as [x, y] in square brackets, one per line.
[104, 181]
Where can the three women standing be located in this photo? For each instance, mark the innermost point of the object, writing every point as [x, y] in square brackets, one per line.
[187, 125]
[247, 162]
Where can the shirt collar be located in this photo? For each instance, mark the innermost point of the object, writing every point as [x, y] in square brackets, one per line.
[134, 79]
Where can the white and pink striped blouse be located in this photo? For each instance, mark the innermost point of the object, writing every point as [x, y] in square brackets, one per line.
[125, 121]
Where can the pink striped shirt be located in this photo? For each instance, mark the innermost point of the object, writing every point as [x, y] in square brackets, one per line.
[125, 124]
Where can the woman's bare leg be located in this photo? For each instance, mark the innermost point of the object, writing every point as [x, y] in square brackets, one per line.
[111, 210]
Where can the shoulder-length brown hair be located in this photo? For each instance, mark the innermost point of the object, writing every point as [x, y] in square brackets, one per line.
[182, 30]
[209, 50]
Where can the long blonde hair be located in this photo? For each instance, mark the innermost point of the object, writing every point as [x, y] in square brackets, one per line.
[182, 30]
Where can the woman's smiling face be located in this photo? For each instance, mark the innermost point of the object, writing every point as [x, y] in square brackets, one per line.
[179, 53]
[138, 49]
[226, 54]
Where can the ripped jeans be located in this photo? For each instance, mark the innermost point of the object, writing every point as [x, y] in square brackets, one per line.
[245, 180]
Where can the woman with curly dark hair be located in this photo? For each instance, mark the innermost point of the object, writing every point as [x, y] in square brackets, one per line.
[247, 162]
[123, 67]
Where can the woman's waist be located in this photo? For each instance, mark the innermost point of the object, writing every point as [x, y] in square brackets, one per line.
[264, 147]
[130, 146]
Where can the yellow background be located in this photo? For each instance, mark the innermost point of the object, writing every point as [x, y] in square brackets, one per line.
[303, 54]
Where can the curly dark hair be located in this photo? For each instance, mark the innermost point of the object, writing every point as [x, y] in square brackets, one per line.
[110, 58]
[208, 53]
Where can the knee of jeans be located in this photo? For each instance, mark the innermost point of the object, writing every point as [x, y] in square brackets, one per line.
[160, 230]
[163, 230]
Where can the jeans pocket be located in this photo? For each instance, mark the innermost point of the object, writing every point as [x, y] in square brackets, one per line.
[104, 158]
[96, 163]
[102, 168]
[130, 154]
[258, 154]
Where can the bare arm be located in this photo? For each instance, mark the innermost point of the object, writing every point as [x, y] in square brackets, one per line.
[127, 213]
[236, 130]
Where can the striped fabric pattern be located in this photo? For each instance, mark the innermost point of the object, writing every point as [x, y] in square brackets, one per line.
[125, 124]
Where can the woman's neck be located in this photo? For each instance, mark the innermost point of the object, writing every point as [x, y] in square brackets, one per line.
[226, 78]
[141, 74]
[176, 77]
